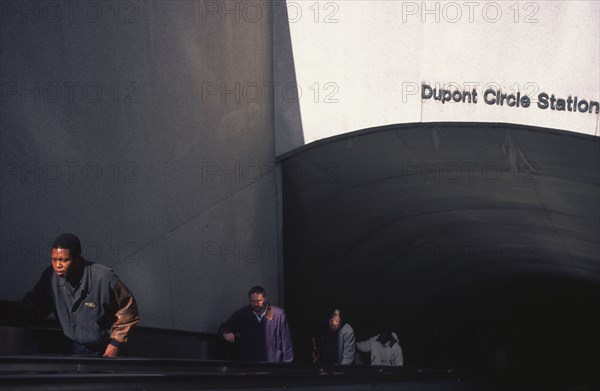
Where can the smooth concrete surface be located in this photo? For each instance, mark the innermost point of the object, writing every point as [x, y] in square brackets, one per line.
[200, 254]
[361, 64]
[148, 266]
[287, 92]
[118, 124]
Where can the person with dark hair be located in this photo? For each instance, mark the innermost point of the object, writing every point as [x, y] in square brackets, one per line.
[334, 342]
[94, 308]
[384, 348]
[261, 330]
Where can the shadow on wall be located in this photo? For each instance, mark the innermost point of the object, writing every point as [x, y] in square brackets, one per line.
[125, 130]
[289, 133]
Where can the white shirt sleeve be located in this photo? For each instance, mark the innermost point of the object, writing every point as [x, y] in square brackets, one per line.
[364, 346]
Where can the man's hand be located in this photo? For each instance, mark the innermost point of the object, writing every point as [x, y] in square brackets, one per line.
[229, 337]
[111, 351]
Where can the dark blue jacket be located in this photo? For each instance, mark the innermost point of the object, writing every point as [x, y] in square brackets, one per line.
[99, 308]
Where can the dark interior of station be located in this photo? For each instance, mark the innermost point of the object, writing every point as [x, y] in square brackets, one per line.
[476, 243]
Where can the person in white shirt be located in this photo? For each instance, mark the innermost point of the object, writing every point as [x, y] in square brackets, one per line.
[385, 349]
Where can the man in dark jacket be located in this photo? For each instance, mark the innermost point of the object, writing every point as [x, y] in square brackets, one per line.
[261, 330]
[95, 310]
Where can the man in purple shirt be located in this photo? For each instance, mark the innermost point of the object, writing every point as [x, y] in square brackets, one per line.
[261, 330]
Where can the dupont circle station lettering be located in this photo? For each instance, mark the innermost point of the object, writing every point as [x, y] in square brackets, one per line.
[496, 97]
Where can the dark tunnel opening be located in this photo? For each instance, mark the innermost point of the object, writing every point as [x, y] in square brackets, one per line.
[520, 323]
[535, 324]
[480, 274]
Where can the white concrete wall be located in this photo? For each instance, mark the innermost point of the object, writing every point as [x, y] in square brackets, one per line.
[360, 64]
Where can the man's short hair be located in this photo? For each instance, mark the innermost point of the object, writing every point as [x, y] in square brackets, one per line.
[68, 242]
[257, 289]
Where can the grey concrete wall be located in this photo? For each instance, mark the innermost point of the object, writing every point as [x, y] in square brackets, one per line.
[146, 129]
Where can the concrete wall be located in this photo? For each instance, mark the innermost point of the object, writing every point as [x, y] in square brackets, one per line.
[361, 64]
[116, 125]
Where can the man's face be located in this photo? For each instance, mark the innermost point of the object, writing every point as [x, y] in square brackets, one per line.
[334, 323]
[63, 263]
[258, 302]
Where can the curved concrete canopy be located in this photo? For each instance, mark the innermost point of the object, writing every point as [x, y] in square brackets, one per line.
[465, 238]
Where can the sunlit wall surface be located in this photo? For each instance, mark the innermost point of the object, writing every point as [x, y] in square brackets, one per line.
[361, 64]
